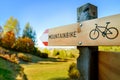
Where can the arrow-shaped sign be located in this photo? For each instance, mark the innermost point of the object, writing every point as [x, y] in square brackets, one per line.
[44, 37]
[96, 32]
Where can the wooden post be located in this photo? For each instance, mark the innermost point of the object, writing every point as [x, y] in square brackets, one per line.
[87, 61]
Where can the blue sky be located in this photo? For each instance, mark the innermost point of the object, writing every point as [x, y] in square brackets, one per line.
[44, 14]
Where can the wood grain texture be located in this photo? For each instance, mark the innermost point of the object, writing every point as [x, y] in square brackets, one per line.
[82, 33]
[109, 66]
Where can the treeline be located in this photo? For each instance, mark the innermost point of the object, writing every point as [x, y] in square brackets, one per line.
[10, 37]
[61, 53]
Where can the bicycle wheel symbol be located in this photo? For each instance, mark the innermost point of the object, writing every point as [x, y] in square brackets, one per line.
[110, 33]
[94, 34]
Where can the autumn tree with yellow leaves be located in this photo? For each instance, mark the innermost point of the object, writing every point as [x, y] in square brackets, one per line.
[11, 24]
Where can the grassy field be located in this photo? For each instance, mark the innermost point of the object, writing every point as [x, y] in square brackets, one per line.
[8, 70]
[52, 68]
[47, 70]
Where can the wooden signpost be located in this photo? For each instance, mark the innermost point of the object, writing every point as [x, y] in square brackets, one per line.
[87, 35]
[88, 56]
[96, 32]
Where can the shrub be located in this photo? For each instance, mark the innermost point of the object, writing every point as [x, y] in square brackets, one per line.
[44, 55]
[37, 52]
[9, 57]
[24, 45]
[6, 56]
[0, 41]
[13, 56]
[24, 57]
[45, 50]
[71, 55]
[73, 72]
[62, 54]
[8, 39]
[55, 52]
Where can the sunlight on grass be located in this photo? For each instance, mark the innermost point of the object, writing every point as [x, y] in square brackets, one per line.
[109, 48]
[50, 71]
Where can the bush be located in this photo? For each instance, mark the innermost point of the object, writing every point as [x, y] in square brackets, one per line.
[24, 45]
[0, 41]
[65, 53]
[55, 52]
[71, 55]
[14, 58]
[24, 57]
[8, 39]
[44, 55]
[37, 52]
[45, 50]
[62, 54]
[73, 72]
[9, 57]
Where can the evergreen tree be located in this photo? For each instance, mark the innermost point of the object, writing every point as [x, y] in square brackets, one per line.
[28, 32]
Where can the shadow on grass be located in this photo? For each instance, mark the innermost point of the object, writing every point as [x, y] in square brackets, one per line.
[36, 59]
[54, 59]
[59, 78]
[10, 71]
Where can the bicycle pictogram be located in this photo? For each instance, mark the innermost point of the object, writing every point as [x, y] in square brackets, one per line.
[109, 33]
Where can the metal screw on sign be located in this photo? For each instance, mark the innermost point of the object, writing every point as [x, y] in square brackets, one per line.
[79, 43]
[80, 25]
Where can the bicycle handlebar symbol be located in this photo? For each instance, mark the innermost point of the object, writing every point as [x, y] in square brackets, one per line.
[110, 33]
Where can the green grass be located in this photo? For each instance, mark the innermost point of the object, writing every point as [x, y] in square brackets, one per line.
[8, 70]
[109, 48]
[4, 74]
[47, 70]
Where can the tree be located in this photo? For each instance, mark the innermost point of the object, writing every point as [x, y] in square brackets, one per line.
[45, 50]
[24, 44]
[55, 52]
[8, 39]
[1, 32]
[28, 32]
[0, 29]
[11, 25]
